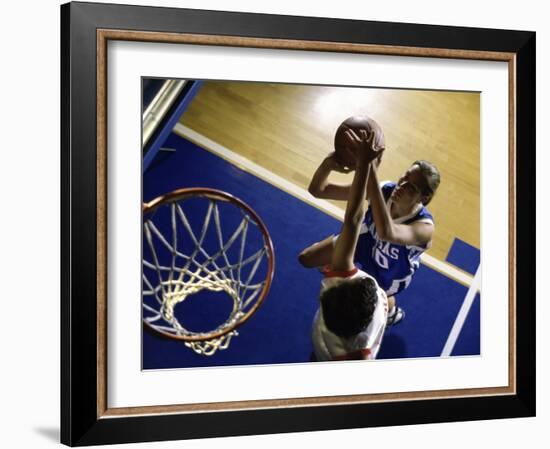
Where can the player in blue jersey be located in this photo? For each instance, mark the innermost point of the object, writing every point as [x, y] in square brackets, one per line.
[396, 230]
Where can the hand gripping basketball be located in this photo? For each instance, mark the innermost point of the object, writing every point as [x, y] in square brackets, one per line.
[362, 145]
[343, 153]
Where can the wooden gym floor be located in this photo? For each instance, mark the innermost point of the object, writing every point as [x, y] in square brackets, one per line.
[289, 129]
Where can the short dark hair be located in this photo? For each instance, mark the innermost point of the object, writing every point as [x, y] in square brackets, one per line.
[348, 307]
[431, 177]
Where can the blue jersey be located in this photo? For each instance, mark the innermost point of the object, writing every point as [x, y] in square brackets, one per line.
[391, 265]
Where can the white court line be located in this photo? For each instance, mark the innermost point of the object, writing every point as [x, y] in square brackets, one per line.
[462, 314]
[329, 208]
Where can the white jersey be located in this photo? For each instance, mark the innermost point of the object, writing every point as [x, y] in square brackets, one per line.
[329, 346]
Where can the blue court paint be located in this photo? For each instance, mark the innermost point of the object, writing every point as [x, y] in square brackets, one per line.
[280, 331]
[431, 303]
[468, 342]
[464, 256]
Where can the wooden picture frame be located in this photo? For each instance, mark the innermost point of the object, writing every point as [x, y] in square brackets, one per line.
[85, 416]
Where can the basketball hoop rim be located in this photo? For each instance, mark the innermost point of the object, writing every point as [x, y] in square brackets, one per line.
[182, 193]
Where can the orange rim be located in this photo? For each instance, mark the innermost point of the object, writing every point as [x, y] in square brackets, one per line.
[218, 195]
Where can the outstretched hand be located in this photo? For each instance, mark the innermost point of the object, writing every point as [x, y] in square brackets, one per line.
[362, 145]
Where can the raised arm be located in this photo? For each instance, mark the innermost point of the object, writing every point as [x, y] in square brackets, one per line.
[342, 256]
[401, 234]
[320, 187]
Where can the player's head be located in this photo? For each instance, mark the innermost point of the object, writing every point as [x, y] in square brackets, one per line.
[348, 307]
[417, 185]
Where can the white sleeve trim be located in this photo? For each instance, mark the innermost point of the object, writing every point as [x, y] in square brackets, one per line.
[424, 220]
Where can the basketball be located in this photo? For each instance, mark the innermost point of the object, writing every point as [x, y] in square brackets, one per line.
[356, 123]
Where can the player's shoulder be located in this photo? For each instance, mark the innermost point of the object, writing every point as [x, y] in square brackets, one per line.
[362, 274]
[387, 188]
[424, 216]
[387, 184]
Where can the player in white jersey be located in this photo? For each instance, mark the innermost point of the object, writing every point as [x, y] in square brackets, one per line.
[397, 227]
[354, 337]
[353, 312]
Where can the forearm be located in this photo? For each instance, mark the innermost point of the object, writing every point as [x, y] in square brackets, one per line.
[320, 187]
[342, 255]
[372, 185]
[355, 209]
[319, 181]
[382, 219]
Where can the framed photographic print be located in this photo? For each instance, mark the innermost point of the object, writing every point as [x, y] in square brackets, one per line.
[279, 224]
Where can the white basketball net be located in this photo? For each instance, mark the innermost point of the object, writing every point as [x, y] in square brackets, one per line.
[168, 282]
